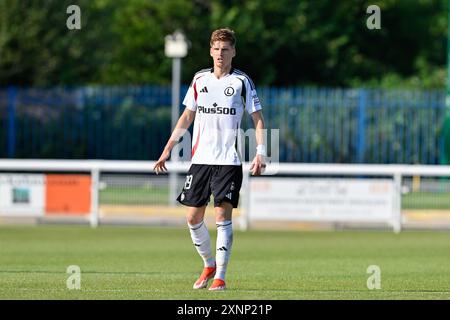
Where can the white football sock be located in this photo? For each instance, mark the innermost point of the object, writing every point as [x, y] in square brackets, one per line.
[223, 250]
[202, 242]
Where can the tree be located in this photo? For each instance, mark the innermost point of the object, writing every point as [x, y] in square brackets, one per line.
[280, 43]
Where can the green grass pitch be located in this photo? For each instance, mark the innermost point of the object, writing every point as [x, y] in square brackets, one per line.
[161, 263]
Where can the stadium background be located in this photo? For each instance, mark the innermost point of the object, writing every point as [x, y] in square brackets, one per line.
[337, 91]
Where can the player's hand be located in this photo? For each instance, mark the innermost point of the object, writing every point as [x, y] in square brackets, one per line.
[160, 165]
[258, 165]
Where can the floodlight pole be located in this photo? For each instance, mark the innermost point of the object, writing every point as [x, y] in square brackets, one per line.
[176, 79]
[444, 157]
[175, 48]
[176, 75]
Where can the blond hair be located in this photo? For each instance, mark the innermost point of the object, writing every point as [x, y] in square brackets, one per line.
[224, 34]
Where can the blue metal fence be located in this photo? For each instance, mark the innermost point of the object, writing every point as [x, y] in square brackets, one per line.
[320, 125]
[356, 125]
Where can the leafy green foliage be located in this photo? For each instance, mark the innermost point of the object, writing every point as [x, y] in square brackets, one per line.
[281, 42]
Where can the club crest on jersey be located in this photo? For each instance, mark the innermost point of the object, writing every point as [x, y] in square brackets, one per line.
[229, 91]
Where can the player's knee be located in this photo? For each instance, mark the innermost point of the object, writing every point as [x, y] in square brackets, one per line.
[192, 220]
[223, 212]
[194, 216]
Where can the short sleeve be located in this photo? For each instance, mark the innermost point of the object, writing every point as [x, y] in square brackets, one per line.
[252, 103]
[190, 100]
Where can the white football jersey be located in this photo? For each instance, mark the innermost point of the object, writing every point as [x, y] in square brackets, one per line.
[219, 105]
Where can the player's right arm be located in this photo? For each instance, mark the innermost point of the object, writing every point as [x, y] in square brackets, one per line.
[181, 127]
[186, 119]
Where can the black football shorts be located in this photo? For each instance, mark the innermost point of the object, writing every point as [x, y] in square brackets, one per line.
[224, 182]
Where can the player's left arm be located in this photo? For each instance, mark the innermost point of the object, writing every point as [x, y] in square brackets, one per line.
[258, 163]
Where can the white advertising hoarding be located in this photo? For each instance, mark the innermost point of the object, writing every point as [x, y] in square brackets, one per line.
[22, 194]
[321, 199]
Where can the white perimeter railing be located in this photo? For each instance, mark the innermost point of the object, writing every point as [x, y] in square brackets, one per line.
[96, 167]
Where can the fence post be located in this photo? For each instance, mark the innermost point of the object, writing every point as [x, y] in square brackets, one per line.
[12, 94]
[362, 104]
[95, 189]
[397, 217]
[244, 219]
[173, 188]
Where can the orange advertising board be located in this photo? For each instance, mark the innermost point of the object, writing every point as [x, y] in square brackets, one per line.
[68, 194]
